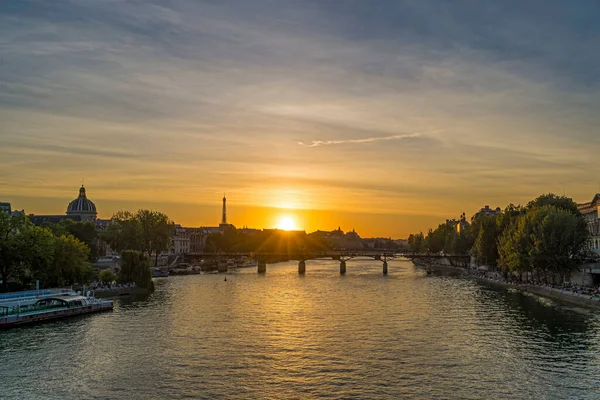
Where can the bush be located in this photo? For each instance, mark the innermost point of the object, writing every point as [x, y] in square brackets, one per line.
[107, 276]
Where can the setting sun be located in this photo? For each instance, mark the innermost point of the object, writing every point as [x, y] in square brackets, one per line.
[286, 224]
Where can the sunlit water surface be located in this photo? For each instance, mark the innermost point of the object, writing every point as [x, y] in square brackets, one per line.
[285, 336]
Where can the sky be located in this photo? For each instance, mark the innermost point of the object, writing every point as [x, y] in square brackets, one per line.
[383, 116]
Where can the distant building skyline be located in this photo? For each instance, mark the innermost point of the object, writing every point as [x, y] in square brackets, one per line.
[201, 216]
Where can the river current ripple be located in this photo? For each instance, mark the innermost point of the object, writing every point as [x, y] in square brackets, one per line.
[322, 335]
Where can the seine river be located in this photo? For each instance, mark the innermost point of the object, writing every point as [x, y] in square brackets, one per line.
[322, 335]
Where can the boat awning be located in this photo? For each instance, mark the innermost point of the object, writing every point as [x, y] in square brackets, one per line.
[67, 301]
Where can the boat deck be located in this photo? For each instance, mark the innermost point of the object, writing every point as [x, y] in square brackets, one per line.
[51, 308]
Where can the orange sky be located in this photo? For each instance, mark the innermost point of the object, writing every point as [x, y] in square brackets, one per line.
[373, 118]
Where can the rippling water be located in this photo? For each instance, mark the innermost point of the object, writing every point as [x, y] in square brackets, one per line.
[284, 336]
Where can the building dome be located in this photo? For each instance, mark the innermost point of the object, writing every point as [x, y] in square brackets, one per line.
[83, 207]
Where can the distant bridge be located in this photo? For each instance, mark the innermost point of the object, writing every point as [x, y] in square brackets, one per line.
[341, 255]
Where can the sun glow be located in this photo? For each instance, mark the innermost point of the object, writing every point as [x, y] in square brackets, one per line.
[286, 224]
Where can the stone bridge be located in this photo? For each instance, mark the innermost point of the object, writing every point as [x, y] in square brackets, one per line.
[262, 258]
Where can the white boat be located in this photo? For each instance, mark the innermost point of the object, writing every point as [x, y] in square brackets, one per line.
[49, 307]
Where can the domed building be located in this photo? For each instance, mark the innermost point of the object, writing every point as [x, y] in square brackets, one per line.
[82, 207]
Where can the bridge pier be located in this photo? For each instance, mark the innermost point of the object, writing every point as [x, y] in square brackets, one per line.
[262, 267]
[301, 267]
[385, 267]
[342, 267]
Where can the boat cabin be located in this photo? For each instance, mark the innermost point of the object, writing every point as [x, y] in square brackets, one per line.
[63, 301]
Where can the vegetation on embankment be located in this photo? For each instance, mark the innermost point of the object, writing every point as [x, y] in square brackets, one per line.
[61, 254]
[541, 242]
[29, 253]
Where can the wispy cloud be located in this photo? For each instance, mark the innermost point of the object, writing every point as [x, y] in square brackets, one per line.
[317, 143]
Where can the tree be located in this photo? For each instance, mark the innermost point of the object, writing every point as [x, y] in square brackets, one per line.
[135, 268]
[22, 244]
[441, 238]
[29, 253]
[84, 231]
[514, 247]
[462, 242]
[551, 199]
[38, 256]
[123, 233]
[211, 247]
[107, 276]
[146, 231]
[415, 243]
[510, 214]
[560, 239]
[545, 241]
[70, 262]
[485, 250]
[67, 265]
[156, 230]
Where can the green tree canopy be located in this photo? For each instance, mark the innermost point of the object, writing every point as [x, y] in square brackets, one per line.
[416, 243]
[124, 232]
[70, 263]
[84, 231]
[146, 231]
[156, 231]
[441, 238]
[546, 240]
[29, 253]
[22, 244]
[135, 267]
[485, 248]
[462, 242]
[107, 276]
[551, 199]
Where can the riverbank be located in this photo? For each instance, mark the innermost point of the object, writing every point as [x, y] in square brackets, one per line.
[558, 295]
[116, 292]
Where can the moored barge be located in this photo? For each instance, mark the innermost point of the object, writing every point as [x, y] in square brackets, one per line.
[50, 307]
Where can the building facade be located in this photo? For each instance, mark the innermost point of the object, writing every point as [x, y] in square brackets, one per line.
[591, 213]
[345, 241]
[39, 220]
[180, 242]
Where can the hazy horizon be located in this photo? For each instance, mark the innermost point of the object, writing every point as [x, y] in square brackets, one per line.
[387, 118]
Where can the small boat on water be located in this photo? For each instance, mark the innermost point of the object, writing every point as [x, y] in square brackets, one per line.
[50, 307]
[247, 263]
[159, 273]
